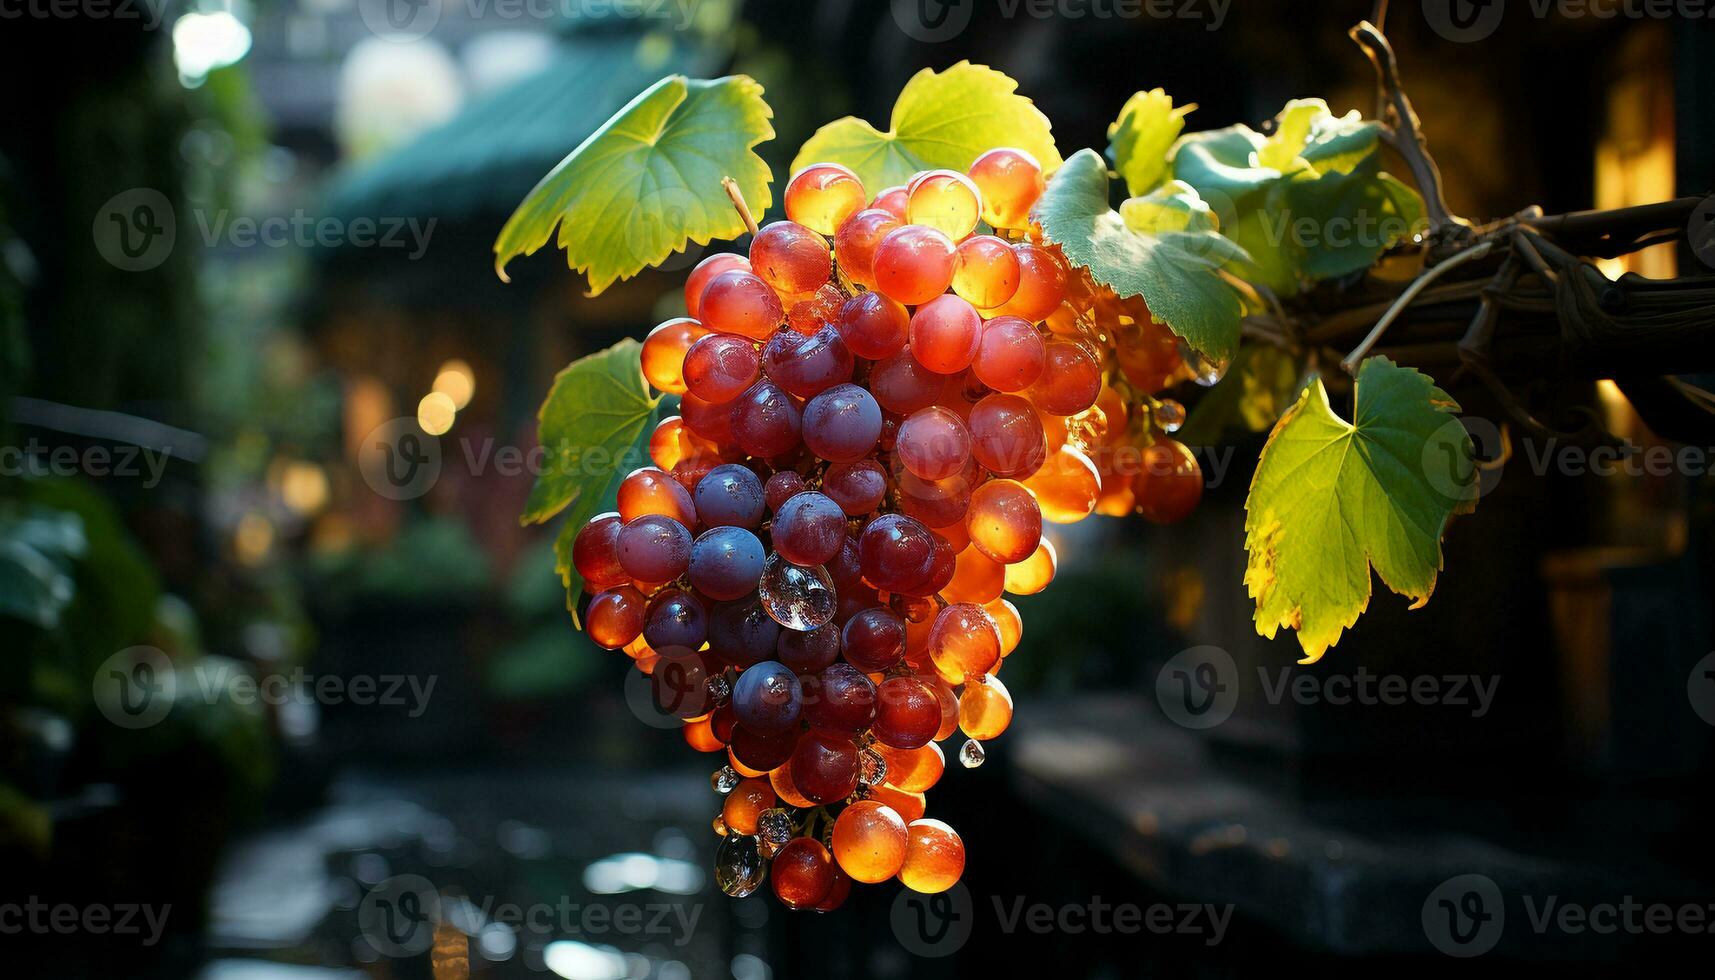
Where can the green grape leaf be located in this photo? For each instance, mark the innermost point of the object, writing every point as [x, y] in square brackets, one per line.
[594, 428]
[649, 180]
[1139, 139]
[1331, 499]
[940, 121]
[1162, 246]
[1306, 203]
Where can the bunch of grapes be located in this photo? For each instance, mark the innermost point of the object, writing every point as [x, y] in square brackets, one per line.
[880, 407]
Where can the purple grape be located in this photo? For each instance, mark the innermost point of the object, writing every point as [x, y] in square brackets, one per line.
[857, 487]
[809, 529]
[839, 701]
[726, 562]
[742, 633]
[675, 622]
[654, 548]
[842, 424]
[811, 652]
[874, 639]
[807, 364]
[783, 486]
[730, 495]
[765, 420]
[767, 698]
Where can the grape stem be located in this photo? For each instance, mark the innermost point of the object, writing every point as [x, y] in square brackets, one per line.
[732, 191]
[1477, 251]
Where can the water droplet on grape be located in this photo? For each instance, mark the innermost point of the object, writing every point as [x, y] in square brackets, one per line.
[774, 826]
[1206, 371]
[971, 755]
[720, 690]
[739, 865]
[872, 768]
[797, 597]
[1169, 415]
[724, 780]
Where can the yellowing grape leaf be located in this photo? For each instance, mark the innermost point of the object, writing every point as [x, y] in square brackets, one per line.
[1331, 499]
[649, 180]
[940, 121]
[594, 428]
[1139, 139]
[1163, 246]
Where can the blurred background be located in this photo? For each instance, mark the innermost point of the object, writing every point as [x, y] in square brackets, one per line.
[237, 238]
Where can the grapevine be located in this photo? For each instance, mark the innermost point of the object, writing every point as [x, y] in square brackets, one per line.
[954, 336]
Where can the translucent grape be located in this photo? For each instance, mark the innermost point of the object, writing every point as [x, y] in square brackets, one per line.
[963, 641]
[910, 806]
[1007, 437]
[976, 578]
[1041, 283]
[673, 442]
[807, 364]
[934, 857]
[1071, 379]
[874, 327]
[1010, 180]
[1010, 355]
[729, 495]
[653, 491]
[940, 504]
[1168, 483]
[858, 488]
[809, 529]
[870, 841]
[744, 805]
[873, 640]
[1004, 521]
[807, 312]
[856, 241]
[802, 873]
[654, 548]
[945, 334]
[1033, 574]
[933, 443]
[700, 736]
[987, 274]
[945, 200]
[726, 562]
[615, 617]
[704, 273]
[985, 708]
[1066, 487]
[822, 196]
[914, 264]
[790, 257]
[842, 423]
[797, 597]
[892, 200]
[824, 767]
[765, 420]
[1148, 355]
[740, 302]
[1010, 624]
[903, 385]
[676, 623]
[719, 367]
[663, 354]
[781, 779]
[907, 714]
[947, 701]
[739, 865]
[595, 552]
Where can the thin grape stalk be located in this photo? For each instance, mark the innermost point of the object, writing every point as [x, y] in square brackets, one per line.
[882, 403]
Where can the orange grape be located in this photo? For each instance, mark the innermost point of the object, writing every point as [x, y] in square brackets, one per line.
[781, 780]
[742, 769]
[615, 617]
[914, 264]
[985, 709]
[745, 803]
[1010, 180]
[1066, 486]
[1011, 626]
[869, 841]
[822, 196]
[914, 770]
[1054, 427]
[987, 273]
[648, 490]
[790, 257]
[976, 578]
[1168, 483]
[1033, 574]
[1041, 283]
[948, 703]
[892, 200]
[1071, 379]
[856, 240]
[963, 641]
[934, 857]
[673, 442]
[664, 353]
[700, 735]
[1010, 354]
[705, 272]
[910, 806]
[1004, 520]
[738, 301]
[802, 873]
[873, 326]
[945, 200]
[1007, 437]
[945, 333]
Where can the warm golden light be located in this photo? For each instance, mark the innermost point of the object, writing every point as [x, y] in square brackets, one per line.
[436, 412]
[457, 381]
[253, 538]
[303, 487]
